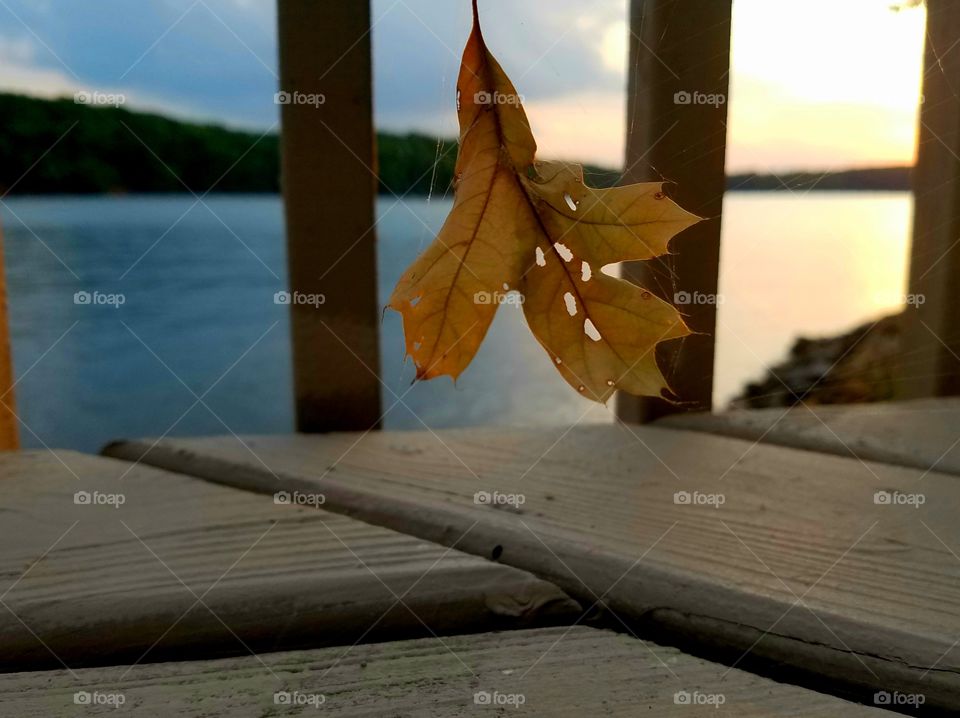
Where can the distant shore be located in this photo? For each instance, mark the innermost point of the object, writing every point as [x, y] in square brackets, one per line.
[873, 179]
[64, 147]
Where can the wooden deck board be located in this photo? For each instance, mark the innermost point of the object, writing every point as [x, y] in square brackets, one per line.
[583, 672]
[922, 434]
[800, 567]
[95, 584]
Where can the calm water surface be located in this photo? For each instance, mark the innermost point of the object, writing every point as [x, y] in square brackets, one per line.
[198, 345]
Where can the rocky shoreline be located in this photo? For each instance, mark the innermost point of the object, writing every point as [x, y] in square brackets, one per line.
[855, 367]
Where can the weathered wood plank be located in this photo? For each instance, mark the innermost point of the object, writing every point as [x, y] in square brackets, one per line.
[921, 434]
[930, 362]
[97, 583]
[799, 567]
[329, 191]
[545, 672]
[680, 50]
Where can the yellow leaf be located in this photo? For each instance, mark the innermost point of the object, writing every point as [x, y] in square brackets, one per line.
[517, 223]
[619, 224]
[448, 296]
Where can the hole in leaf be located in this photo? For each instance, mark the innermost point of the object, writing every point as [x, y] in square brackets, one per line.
[569, 200]
[571, 304]
[564, 251]
[415, 301]
[558, 360]
[611, 382]
[585, 272]
[541, 260]
[591, 331]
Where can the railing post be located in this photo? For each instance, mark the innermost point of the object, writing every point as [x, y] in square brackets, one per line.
[929, 364]
[680, 46]
[9, 431]
[328, 153]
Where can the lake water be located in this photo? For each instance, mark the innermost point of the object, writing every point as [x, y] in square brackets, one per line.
[198, 316]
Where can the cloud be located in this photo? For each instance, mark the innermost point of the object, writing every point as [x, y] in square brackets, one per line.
[20, 73]
[565, 62]
[562, 52]
[212, 59]
[216, 60]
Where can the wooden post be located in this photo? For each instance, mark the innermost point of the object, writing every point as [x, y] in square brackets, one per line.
[328, 149]
[9, 431]
[929, 364]
[676, 130]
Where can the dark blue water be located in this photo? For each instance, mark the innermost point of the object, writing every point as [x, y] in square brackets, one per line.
[198, 319]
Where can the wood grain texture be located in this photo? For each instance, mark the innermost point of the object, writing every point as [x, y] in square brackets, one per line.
[920, 434]
[799, 568]
[95, 584]
[930, 361]
[555, 672]
[680, 46]
[329, 191]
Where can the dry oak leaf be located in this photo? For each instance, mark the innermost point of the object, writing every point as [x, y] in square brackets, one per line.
[535, 227]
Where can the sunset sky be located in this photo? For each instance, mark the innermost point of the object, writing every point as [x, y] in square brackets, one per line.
[814, 84]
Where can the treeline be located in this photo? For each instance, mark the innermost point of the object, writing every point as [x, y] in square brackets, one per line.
[877, 179]
[87, 149]
[60, 146]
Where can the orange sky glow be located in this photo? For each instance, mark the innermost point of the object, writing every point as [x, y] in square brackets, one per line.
[816, 84]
